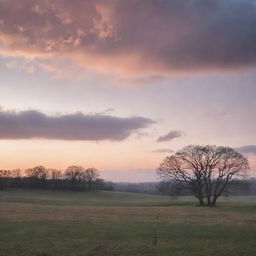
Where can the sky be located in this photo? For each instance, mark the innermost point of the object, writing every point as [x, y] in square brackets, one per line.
[119, 85]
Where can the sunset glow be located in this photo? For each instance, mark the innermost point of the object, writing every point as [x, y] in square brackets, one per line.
[102, 83]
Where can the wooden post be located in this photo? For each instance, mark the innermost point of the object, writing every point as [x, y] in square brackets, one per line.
[155, 241]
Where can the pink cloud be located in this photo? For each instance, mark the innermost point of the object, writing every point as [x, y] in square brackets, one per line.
[146, 37]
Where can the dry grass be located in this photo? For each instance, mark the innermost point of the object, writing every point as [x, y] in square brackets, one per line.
[207, 216]
[36, 223]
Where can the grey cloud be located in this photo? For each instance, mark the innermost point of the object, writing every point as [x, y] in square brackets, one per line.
[170, 136]
[34, 124]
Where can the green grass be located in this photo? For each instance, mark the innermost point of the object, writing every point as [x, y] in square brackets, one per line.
[108, 238]
[93, 198]
[44, 223]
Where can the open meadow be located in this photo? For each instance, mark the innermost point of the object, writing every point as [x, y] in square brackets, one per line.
[59, 223]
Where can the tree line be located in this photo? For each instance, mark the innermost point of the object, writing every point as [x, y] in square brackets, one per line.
[234, 188]
[74, 178]
[206, 172]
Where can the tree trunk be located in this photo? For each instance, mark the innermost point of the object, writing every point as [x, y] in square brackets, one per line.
[214, 201]
[209, 202]
[201, 201]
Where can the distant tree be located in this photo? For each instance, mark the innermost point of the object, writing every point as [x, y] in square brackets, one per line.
[91, 174]
[37, 176]
[73, 174]
[16, 178]
[101, 184]
[252, 186]
[74, 177]
[172, 188]
[55, 177]
[204, 170]
[82, 179]
[4, 176]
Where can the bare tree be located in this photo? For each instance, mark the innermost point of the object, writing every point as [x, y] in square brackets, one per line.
[204, 170]
[10, 178]
[37, 176]
[56, 177]
[16, 176]
[75, 178]
[91, 174]
[4, 175]
[73, 173]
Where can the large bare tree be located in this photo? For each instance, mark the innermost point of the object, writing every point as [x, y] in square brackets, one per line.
[204, 170]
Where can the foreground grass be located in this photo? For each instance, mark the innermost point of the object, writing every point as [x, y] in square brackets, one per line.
[111, 223]
[124, 238]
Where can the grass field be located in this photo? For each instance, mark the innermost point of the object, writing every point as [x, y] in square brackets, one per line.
[44, 223]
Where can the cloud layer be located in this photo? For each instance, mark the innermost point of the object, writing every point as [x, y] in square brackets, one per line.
[34, 124]
[148, 36]
[170, 136]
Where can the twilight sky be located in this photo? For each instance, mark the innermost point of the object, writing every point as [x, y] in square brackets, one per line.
[119, 85]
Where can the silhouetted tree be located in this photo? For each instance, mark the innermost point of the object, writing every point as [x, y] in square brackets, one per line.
[4, 176]
[91, 174]
[55, 177]
[75, 178]
[204, 170]
[82, 179]
[73, 173]
[37, 176]
[16, 178]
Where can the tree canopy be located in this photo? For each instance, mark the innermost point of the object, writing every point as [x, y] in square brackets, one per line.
[204, 170]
